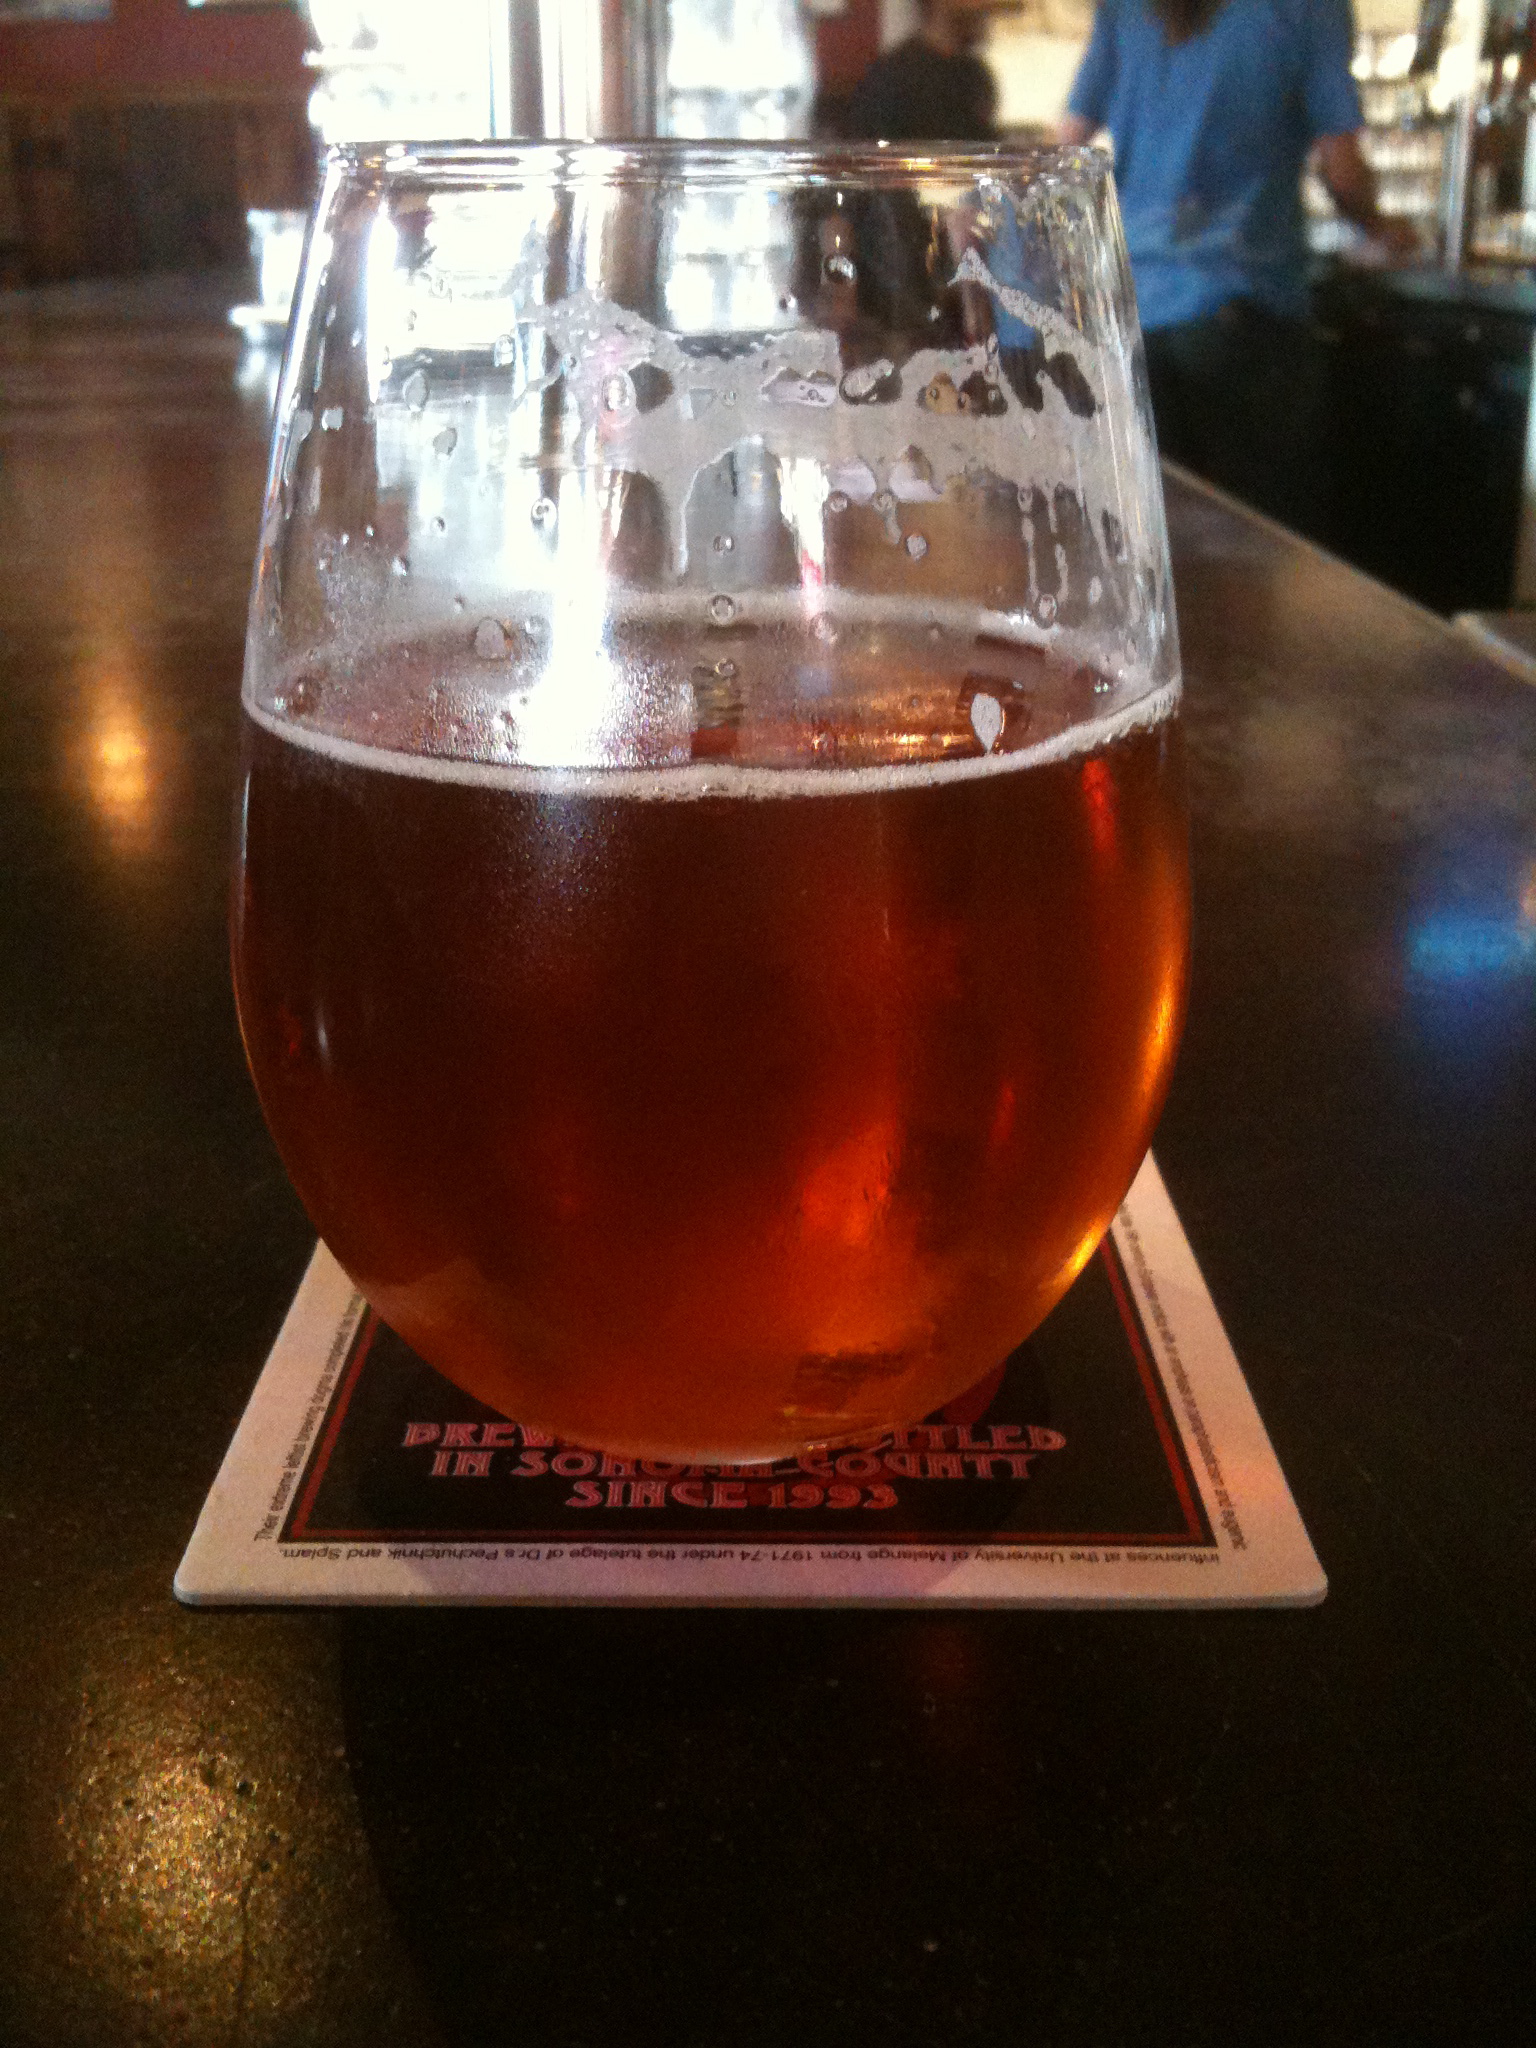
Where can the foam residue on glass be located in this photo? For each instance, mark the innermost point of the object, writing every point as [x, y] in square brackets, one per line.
[568, 499]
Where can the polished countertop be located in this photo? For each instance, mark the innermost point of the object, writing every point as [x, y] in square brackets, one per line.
[417, 1827]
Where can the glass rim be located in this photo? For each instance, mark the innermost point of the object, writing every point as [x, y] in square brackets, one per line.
[707, 162]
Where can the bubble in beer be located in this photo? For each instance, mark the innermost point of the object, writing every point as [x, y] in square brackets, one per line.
[723, 543]
[331, 419]
[304, 697]
[885, 501]
[414, 391]
[445, 442]
[491, 640]
[838, 502]
[1045, 608]
[619, 392]
[400, 566]
[824, 629]
[367, 533]
[722, 609]
[543, 511]
[841, 266]
[725, 670]
[986, 720]
[917, 546]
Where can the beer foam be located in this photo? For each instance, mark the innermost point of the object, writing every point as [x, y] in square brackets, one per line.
[691, 780]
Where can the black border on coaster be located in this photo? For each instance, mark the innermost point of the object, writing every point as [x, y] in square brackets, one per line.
[299, 1527]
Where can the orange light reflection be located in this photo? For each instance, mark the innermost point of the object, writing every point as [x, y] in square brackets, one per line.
[119, 763]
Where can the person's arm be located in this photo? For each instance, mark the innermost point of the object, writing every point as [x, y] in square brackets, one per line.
[1088, 101]
[1351, 185]
[1333, 116]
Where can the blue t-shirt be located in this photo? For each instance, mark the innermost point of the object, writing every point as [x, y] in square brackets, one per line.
[1210, 139]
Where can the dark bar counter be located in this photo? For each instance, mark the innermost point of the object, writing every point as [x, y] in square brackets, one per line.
[386, 1827]
[1429, 388]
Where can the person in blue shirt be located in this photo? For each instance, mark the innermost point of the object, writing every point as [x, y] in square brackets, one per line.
[1214, 107]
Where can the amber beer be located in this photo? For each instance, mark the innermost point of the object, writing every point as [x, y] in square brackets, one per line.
[715, 1114]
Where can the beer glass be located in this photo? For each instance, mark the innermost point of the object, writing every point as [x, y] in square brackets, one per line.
[711, 912]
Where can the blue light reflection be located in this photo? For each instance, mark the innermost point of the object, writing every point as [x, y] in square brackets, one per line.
[1464, 946]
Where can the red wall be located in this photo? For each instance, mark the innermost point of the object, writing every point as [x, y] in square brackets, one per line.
[152, 46]
[846, 44]
[155, 46]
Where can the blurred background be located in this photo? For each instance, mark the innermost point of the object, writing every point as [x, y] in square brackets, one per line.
[135, 135]
[153, 137]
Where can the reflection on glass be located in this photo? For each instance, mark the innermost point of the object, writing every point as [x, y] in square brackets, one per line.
[256, 376]
[730, 253]
[740, 68]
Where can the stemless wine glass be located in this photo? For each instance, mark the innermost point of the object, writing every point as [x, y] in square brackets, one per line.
[711, 918]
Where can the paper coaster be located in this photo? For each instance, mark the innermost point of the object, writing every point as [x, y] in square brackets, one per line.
[1115, 1459]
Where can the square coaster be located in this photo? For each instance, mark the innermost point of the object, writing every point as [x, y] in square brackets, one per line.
[1114, 1459]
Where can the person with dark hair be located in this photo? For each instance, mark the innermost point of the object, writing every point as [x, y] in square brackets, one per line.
[931, 88]
[1214, 107]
